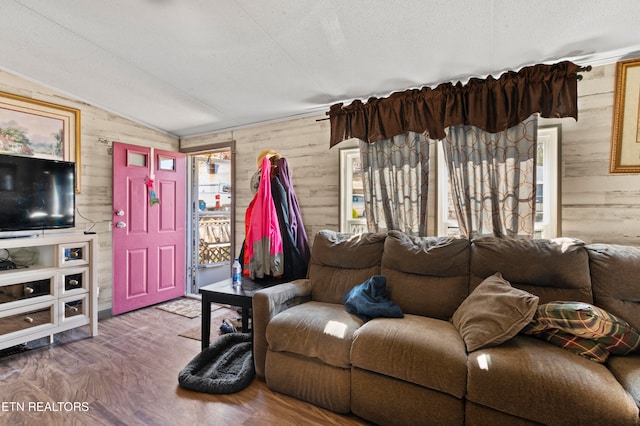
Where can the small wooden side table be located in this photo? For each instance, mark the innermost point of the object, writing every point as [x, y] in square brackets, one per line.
[223, 292]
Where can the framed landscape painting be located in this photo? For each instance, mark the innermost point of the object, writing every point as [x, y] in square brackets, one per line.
[30, 127]
[625, 136]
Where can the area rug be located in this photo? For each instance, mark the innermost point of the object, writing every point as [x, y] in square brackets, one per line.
[186, 307]
[224, 367]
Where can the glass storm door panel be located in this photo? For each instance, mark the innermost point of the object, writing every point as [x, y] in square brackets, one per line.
[212, 225]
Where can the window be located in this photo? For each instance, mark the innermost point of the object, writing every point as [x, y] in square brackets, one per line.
[547, 188]
[166, 163]
[352, 218]
[547, 182]
[446, 214]
[136, 159]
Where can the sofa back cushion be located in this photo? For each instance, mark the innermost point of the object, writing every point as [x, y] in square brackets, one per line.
[426, 276]
[615, 277]
[552, 269]
[340, 261]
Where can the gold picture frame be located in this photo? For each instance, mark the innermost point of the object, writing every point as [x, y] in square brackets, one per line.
[625, 134]
[30, 127]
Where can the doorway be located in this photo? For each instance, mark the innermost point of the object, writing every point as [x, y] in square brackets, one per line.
[212, 204]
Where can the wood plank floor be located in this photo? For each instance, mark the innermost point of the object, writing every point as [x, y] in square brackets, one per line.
[128, 375]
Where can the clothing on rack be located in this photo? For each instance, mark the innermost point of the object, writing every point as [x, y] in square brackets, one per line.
[263, 240]
[274, 178]
[299, 235]
[295, 266]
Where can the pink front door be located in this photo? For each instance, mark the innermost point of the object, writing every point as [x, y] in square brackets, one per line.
[149, 238]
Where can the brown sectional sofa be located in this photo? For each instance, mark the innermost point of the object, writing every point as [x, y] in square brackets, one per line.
[416, 369]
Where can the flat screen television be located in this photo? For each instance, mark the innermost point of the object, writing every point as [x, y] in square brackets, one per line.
[36, 194]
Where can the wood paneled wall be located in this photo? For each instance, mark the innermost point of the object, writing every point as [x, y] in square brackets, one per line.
[596, 206]
[99, 129]
[314, 167]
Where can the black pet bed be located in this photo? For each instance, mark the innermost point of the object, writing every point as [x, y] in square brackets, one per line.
[224, 367]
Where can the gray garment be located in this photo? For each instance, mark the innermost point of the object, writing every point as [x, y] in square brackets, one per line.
[255, 182]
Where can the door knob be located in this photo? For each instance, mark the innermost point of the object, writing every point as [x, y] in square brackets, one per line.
[121, 225]
[120, 213]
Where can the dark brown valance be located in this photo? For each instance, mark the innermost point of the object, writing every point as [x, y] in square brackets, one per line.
[490, 104]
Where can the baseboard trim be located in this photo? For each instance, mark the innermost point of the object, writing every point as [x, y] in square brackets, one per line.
[104, 314]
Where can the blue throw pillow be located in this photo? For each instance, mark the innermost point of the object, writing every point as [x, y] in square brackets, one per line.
[370, 300]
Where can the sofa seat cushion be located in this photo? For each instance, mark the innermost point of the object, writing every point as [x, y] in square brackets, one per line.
[314, 330]
[420, 350]
[530, 378]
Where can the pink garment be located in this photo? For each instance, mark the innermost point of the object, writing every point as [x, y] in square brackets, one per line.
[264, 240]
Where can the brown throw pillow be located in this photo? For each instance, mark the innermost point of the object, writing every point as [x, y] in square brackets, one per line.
[493, 313]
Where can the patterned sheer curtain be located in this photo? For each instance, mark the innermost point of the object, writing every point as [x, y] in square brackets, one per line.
[395, 183]
[493, 179]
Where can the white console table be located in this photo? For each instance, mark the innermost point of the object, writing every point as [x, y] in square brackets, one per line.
[52, 289]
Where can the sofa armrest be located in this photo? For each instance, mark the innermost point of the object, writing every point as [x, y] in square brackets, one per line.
[269, 302]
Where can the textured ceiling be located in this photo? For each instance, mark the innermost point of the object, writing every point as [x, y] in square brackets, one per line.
[194, 66]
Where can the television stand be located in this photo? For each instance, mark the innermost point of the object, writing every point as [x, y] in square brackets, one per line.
[53, 289]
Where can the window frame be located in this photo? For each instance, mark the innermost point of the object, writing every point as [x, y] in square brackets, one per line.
[348, 224]
[550, 137]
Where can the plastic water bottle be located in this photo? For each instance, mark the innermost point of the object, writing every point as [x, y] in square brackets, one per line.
[236, 273]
